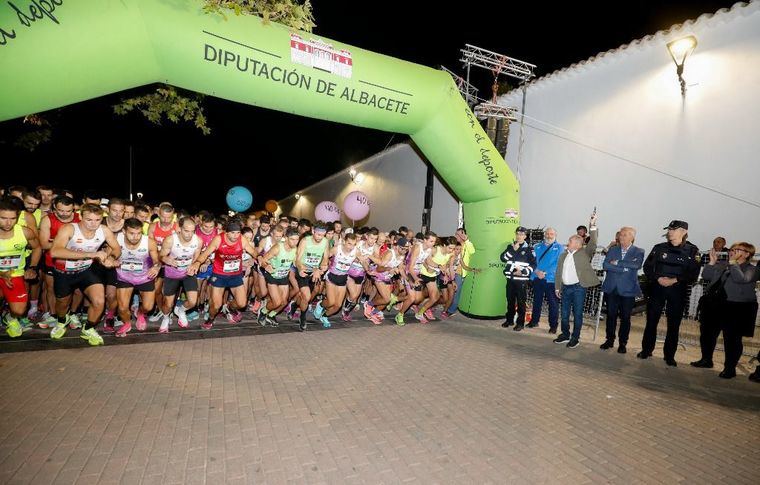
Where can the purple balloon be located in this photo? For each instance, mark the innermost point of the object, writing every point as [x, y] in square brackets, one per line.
[356, 205]
[327, 211]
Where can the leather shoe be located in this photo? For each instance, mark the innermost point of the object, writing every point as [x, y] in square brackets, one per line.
[727, 374]
[702, 364]
[643, 355]
[671, 362]
[608, 344]
[621, 349]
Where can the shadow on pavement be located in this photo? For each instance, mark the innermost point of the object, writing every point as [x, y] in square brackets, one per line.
[651, 374]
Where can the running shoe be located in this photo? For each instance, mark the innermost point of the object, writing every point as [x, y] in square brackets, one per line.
[125, 328]
[165, 322]
[141, 324]
[91, 336]
[58, 331]
[400, 319]
[182, 320]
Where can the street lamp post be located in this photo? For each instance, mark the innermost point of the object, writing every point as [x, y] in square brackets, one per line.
[679, 50]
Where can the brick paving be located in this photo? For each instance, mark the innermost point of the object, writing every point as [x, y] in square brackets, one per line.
[456, 402]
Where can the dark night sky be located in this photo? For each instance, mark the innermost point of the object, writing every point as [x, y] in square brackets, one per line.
[275, 154]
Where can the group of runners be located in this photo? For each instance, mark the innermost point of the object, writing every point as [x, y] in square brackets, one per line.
[115, 266]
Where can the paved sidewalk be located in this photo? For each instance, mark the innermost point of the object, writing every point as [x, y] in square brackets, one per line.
[454, 402]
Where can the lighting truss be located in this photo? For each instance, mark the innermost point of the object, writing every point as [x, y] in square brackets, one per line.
[497, 63]
[492, 110]
[468, 91]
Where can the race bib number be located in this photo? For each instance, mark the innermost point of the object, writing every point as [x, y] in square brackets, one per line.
[77, 264]
[132, 266]
[183, 263]
[10, 262]
[232, 266]
[281, 273]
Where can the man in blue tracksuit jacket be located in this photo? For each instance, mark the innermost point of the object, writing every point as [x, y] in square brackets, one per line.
[547, 253]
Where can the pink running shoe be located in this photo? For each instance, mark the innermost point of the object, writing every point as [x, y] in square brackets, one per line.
[254, 306]
[140, 323]
[376, 317]
[429, 314]
[207, 325]
[124, 329]
[368, 310]
[345, 318]
[234, 316]
[445, 315]
[421, 318]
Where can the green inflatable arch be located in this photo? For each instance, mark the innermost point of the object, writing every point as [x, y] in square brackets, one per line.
[58, 52]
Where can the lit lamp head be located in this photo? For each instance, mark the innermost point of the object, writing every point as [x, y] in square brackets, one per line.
[679, 50]
[356, 177]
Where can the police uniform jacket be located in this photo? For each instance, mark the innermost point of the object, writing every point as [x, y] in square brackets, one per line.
[680, 262]
[521, 259]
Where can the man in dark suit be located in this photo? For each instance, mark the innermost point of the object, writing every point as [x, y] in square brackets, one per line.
[621, 286]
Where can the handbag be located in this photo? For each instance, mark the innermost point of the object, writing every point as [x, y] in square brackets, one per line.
[715, 296]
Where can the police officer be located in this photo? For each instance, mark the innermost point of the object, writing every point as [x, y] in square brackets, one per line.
[519, 264]
[670, 268]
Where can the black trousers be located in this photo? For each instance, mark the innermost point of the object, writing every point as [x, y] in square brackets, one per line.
[709, 330]
[619, 306]
[732, 318]
[517, 293]
[675, 297]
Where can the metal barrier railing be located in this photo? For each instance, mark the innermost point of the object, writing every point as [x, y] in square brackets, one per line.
[592, 306]
[688, 335]
[594, 309]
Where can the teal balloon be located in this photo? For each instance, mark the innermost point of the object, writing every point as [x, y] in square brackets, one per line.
[239, 199]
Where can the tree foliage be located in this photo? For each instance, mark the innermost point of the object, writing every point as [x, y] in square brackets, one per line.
[168, 103]
[178, 105]
[290, 13]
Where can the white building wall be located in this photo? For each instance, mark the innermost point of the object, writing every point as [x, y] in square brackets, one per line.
[614, 132]
[394, 181]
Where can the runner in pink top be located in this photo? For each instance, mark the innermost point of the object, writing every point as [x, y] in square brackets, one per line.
[137, 270]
